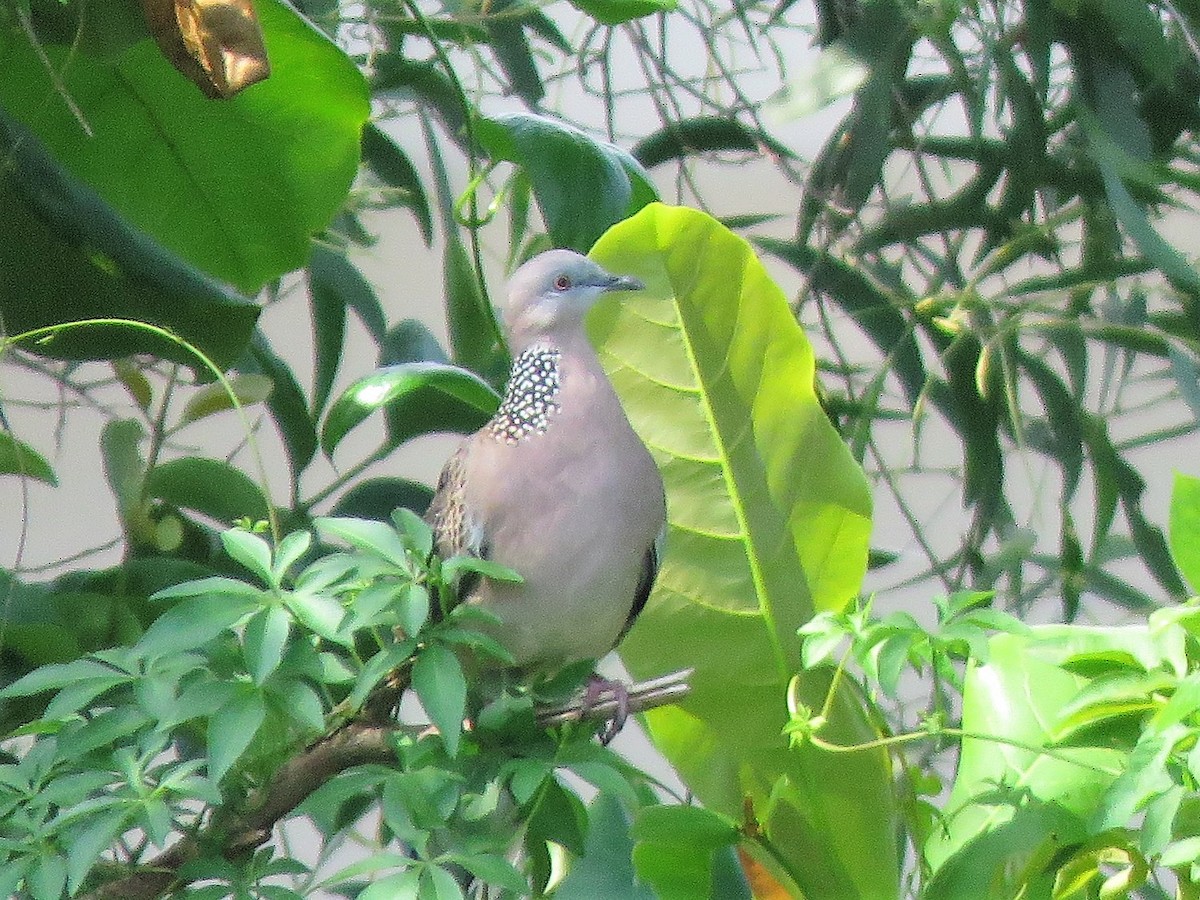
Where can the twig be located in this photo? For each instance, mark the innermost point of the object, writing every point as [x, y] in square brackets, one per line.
[661, 691]
[355, 744]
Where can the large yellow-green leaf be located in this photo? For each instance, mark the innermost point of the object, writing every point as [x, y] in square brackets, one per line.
[1013, 811]
[769, 522]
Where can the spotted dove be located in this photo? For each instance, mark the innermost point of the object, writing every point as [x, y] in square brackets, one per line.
[556, 486]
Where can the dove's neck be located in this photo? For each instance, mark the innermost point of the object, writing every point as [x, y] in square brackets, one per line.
[531, 396]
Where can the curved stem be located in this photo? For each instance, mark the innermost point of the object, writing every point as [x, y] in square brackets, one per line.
[46, 332]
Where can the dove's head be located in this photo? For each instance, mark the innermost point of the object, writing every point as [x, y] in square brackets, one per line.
[549, 295]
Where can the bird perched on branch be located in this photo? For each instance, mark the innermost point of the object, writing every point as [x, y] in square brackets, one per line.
[557, 486]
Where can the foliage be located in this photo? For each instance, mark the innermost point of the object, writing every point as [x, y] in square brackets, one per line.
[169, 749]
[990, 214]
[1077, 768]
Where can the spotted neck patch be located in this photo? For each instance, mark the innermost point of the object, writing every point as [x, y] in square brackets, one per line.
[530, 396]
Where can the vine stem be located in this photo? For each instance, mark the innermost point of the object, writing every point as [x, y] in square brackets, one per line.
[910, 737]
[472, 164]
[47, 332]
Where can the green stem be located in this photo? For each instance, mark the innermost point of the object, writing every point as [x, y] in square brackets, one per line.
[36, 335]
[472, 163]
[962, 735]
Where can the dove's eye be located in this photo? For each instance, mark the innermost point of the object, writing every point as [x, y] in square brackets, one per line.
[562, 283]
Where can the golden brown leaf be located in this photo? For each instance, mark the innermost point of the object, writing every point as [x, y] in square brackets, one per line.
[216, 44]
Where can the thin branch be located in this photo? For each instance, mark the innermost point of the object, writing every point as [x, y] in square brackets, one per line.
[355, 744]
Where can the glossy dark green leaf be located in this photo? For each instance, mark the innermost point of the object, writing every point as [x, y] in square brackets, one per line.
[66, 256]
[287, 404]
[558, 816]
[977, 420]
[615, 12]
[703, 134]
[18, 458]
[424, 396]
[565, 165]
[335, 285]
[1117, 479]
[212, 487]
[239, 187]
[437, 677]
[392, 166]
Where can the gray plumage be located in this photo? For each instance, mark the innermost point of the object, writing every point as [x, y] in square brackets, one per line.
[557, 486]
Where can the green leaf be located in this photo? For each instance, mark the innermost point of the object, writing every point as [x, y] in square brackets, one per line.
[473, 337]
[494, 870]
[249, 551]
[423, 394]
[365, 534]
[335, 285]
[703, 134]
[48, 878]
[290, 551]
[247, 390]
[606, 867]
[232, 728]
[124, 467]
[85, 844]
[566, 166]
[615, 12]
[321, 615]
[287, 404]
[237, 187]
[53, 677]
[1010, 806]
[209, 486]
[1185, 527]
[376, 498]
[506, 36]
[404, 886]
[66, 256]
[769, 523]
[193, 623]
[392, 166]
[18, 458]
[558, 816]
[678, 824]
[438, 884]
[438, 680]
[266, 637]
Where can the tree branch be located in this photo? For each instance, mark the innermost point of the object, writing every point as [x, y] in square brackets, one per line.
[358, 743]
